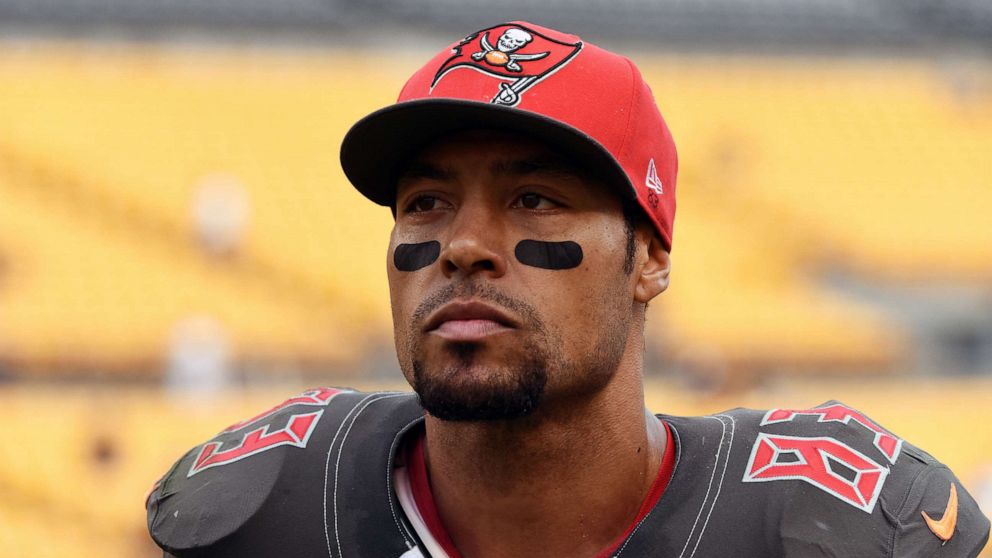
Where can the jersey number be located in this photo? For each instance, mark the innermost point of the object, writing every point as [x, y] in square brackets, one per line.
[296, 432]
[824, 462]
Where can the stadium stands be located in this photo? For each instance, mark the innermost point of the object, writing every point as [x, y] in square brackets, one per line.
[793, 172]
[97, 202]
[786, 169]
[170, 196]
[800, 24]
[75, 483]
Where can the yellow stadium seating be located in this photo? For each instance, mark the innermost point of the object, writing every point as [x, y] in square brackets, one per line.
[790, 169]
[796, 169]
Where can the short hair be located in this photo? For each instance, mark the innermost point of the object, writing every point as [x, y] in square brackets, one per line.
[633, 216]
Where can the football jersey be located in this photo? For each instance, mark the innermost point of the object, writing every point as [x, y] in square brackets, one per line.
[314, 477]
[413, 489]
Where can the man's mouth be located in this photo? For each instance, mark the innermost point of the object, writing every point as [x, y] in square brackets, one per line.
[468, 321]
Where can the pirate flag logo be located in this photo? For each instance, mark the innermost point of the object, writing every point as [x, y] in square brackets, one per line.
[520, 56]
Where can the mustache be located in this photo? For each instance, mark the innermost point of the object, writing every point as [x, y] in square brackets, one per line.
[476, 290]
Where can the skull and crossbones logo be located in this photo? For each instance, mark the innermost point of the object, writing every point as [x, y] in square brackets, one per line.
[504, 53]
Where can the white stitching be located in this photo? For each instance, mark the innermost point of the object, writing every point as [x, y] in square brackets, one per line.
[407, 536]
[327, 463]
[726, 462]
[675, 467]
[337, 462]
[716, 460]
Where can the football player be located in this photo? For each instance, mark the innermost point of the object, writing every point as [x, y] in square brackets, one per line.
[534, 211]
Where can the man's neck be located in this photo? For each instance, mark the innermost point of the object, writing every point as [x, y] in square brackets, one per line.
[565, 481]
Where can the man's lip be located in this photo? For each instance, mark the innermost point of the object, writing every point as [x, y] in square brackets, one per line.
[469, 311]
[467, 331]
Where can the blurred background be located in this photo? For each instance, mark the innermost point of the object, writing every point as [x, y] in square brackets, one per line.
[179, 248]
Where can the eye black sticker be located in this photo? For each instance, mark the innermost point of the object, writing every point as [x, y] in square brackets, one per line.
[411, 257]
[549, 255]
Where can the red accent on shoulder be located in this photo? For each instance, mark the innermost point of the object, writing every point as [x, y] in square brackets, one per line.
[657, 489]
[420, 485]
[888, 443]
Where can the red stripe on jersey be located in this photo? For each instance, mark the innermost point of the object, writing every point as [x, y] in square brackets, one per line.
[424, 499]
[420, 485]
[657, 489]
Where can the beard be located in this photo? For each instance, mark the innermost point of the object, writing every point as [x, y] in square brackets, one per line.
[504, 393]
[515, 385]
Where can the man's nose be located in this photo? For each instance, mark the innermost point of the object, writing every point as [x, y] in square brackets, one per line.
[474, 245]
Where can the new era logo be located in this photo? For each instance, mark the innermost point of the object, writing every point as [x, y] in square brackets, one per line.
[652, 181]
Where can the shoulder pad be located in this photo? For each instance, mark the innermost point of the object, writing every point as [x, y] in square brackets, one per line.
[853, 486]
[938, 516]
[826, 481]
[260, 487]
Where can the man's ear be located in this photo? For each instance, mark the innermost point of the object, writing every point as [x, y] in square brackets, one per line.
[652, 275]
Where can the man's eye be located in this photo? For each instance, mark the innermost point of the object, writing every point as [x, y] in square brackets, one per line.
[423, 203]
[535, 201]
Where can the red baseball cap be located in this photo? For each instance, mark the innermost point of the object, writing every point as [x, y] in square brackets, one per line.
[589, 103]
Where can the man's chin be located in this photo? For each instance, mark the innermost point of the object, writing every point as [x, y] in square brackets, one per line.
[473, 392]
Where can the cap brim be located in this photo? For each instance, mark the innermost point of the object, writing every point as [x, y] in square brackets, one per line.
[377, 146]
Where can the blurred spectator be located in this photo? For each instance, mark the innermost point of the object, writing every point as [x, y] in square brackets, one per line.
[199, 362]
[221, 212]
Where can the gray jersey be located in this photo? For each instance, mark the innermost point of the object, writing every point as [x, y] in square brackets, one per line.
[313, 477]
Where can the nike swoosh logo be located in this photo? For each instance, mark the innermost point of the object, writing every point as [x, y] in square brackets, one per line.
[944, 529]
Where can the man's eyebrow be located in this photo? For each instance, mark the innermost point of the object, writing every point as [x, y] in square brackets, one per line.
[418, 169]
[549, 166]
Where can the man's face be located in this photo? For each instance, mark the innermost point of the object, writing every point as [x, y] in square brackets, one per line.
[481, 334]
